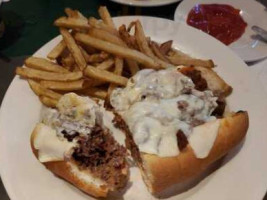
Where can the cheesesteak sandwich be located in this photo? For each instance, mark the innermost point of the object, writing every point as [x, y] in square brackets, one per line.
[175, 122]
[77, 142]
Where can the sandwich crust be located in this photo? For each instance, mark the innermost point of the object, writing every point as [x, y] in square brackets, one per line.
[215, 83]
[160, 173]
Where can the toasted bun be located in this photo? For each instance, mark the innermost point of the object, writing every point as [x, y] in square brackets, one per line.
[64, 169]
[159, 173]
[215, 83]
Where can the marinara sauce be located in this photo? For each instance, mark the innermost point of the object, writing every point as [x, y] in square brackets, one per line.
[221, 21]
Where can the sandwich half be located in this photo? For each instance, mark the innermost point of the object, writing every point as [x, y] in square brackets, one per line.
[175, 123]
[76, 143]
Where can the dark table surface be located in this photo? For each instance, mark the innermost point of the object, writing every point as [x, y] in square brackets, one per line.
[30, 22]
[29, 25]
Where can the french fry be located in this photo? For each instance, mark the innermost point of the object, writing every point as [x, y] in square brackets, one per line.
[105, 16]
[70, 13]
[118, 50]
[130, 26]
[118, 66]
[156, 49]
[85, 54]
[76, 68]
[133, 66]
[93, 22]
[72, 23]
[63, 86]
[104, 75]
[98, 57]
[50, 76]
[192, 61]
[127, 38]
[88, 49]
[73, 48]
[144, 47]
[117, 71]
[68, 62]
[89, 82]
[107, 64]
[41, 91]
[94, 92]
[57, 50]
[141, 40]
[45, 65]
[179, 58]
[80, 15]
[74, 13]
[106, 36]
[166, 47]
[49, 102]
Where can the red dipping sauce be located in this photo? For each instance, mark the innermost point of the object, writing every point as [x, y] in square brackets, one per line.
[221, 21]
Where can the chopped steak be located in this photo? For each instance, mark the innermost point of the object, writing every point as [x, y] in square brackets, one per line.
[181, 140]
[130, 144]
[107, 104]
[195, 75]
[182, 105]
[59, 60]
[196, 122]
[100, 153]
[187, 91]
[219, 110]
[119, 122]
[70, 136]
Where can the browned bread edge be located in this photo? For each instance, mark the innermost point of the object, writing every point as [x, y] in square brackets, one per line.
[159, 173]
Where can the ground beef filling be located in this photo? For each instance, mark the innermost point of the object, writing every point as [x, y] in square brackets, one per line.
[181, 140]
[201, 85]
[104, 157]
[130, 144]
[219, 110]
[69, 136]
[195, 76]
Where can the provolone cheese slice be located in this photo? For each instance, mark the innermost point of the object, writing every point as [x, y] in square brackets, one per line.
[50, 147]
[203, 137]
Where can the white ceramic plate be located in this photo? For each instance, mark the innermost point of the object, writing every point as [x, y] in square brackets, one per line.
[241, 174]
[254, 13]
[145, 3]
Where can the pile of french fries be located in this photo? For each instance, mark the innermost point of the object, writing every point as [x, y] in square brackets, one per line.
[94, 57]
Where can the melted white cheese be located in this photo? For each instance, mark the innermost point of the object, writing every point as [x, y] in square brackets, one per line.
[118, 135]
[149, 105]
[50, 147]
[74, 114]
[151, 84]
[80, 114]
[203, 137]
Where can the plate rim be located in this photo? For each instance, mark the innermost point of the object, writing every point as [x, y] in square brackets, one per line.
[145, 3]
